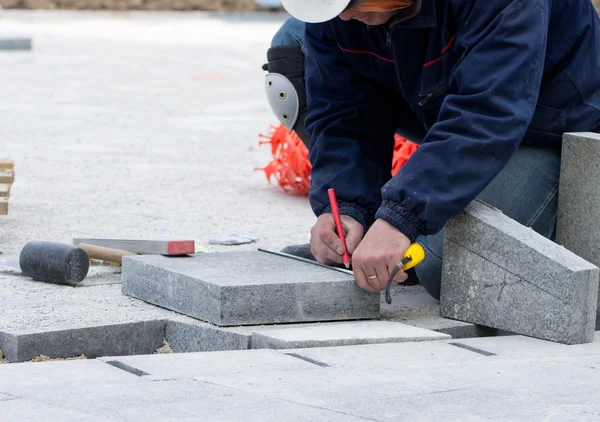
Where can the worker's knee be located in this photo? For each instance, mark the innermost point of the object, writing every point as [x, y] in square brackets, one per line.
[290, 33]
[285, 84]
[429, 271]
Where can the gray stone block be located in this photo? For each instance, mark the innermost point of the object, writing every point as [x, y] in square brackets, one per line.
[109, 340]
[500, 274]
[246, 288]
[414, 306]
[185, 338]
[342, 334]
[16, 43]
[577, 227]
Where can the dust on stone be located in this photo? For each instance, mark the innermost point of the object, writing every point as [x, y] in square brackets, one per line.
[44, 358]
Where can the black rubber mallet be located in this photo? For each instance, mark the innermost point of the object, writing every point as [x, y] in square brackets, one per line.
[54, 262]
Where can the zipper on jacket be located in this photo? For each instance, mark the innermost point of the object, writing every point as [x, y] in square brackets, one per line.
[432, 95]
[391, 45]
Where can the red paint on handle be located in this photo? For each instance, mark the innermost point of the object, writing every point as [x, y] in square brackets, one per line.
[338, 224]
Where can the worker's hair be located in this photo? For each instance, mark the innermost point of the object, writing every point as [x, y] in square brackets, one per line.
[383, 5]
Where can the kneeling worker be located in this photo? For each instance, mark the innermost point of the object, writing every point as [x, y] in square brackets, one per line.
[487, 88]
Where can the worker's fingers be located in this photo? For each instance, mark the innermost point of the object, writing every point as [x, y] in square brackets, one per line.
[383, 274]
[377, 274]
[325, 231]
[324, 254]
[325, 246]
[400, 276]
[361, 279]
[354, 232]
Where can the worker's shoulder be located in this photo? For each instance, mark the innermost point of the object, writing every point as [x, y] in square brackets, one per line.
[465, 8]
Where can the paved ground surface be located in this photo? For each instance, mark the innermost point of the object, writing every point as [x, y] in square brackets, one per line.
[503, 379]
[140, 126]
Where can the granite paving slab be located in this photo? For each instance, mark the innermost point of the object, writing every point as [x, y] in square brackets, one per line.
[500, 274]
[341, 334]
[246, 288]
[577, 226]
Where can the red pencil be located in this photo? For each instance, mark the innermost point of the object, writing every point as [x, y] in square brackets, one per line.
[338, 225]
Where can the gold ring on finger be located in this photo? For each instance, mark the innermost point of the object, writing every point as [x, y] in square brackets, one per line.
[373, 277]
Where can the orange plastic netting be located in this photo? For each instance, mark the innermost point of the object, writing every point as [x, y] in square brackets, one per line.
[290, 165]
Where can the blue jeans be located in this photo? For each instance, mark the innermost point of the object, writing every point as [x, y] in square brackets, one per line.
[526, 190]
[291, 32]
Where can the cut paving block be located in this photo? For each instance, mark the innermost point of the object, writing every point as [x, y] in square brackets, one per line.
[246, 288]
[500, 274]
[3, 206]
[342, 334]
[134, 338]
[203, 337]
[577, 226]
[15, 43]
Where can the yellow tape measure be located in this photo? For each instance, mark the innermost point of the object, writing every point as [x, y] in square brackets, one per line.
[412, 257]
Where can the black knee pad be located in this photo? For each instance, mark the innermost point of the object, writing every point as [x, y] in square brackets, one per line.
[285, 87]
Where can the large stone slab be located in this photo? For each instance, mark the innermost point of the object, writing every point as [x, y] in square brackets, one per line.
[246, 288]
[498, 273]
[342, 334]
[109, 340]
[184, 338]
[577, 226]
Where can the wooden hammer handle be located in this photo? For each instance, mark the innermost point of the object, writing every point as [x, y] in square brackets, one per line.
[104, 254]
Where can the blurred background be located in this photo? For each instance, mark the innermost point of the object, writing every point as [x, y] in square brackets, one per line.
[209, 5]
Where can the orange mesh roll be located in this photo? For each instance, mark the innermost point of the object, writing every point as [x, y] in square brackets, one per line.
[290, 165]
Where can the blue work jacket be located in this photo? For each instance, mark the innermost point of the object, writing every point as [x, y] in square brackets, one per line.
[470, 80]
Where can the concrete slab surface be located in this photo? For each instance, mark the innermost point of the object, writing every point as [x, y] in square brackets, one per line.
[63, 321]
[246, 288]
[341, 334]
[132, 338]
[427, 381]
[414, 306]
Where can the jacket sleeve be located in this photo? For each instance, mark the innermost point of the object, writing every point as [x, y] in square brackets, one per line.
[352, 124]
[494, 91]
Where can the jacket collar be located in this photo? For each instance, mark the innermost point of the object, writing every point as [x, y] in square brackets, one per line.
[420, 15]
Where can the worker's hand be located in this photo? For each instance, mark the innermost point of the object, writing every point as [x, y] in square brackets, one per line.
[325, 244]
[381, 250]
